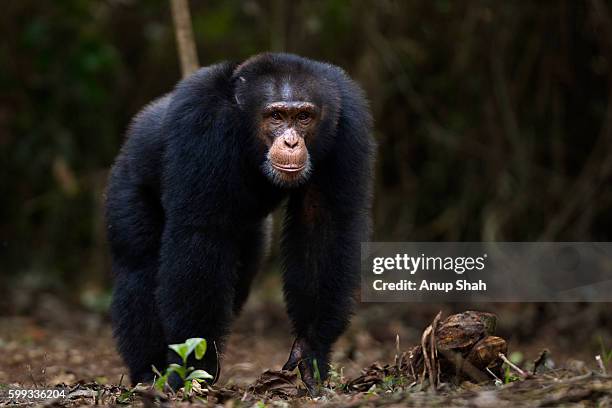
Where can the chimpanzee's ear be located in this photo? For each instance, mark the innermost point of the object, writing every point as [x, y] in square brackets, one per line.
[236, 81]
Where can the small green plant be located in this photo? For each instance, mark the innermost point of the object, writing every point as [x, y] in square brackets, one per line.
[372, 391]
[336, 378]
[187, 374]
[125, 397]
[317, 376]
[508, 376]
[317, 373]
[388, 383]
[606, 354]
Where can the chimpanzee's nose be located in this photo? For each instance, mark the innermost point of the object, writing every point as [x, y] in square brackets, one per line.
[292, 141]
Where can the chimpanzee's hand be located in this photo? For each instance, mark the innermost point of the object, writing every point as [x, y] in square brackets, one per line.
[312, 365]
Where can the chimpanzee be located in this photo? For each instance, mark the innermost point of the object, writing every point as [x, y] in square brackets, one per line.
[188, 195]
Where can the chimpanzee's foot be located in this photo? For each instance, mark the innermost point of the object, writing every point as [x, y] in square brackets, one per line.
[313, 368]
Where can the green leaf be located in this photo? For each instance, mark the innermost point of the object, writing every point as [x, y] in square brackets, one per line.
[199, 375]
[179, 369]
[201, 349]
[317, 373]
[187, 385]
[198, 344]
[181, 349]
[160, 383]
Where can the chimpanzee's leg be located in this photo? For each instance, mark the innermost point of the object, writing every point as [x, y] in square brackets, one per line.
[134, 230]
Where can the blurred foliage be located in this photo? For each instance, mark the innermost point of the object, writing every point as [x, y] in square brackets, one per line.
[494, 119]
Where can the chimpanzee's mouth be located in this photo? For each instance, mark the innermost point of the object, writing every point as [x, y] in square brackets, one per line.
[288, 168]
[287, 173]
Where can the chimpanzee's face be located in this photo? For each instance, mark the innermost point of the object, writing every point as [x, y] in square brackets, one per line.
[287, 128]
[287, 119]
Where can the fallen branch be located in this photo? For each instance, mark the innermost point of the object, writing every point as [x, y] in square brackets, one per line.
[513, 366]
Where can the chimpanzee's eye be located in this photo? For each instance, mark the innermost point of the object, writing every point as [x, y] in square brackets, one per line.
[276, 115]
[303, 116]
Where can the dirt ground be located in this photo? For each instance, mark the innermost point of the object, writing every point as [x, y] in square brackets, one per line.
[57, 343]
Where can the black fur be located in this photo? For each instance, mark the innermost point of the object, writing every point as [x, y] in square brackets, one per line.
[187, 200]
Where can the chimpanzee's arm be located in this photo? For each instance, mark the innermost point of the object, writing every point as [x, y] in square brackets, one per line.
[326, 221]
[195, 290]
[198, 255]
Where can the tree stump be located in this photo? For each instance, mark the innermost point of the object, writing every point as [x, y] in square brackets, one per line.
[461, 347]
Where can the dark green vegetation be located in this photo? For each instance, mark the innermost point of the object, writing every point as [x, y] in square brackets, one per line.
[493, 120]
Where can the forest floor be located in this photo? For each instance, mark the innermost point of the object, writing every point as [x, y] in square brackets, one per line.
[59, 344]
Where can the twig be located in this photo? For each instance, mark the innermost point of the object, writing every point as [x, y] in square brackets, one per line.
[398, 361]
[218, 363]
[463, 365]
[513, 366]
[434, 348]
[540, 361]
[410, 358]
[427, 365]
[602, 367]
[32, 376]
[431, 367]
[498, 381]
[184, 37]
